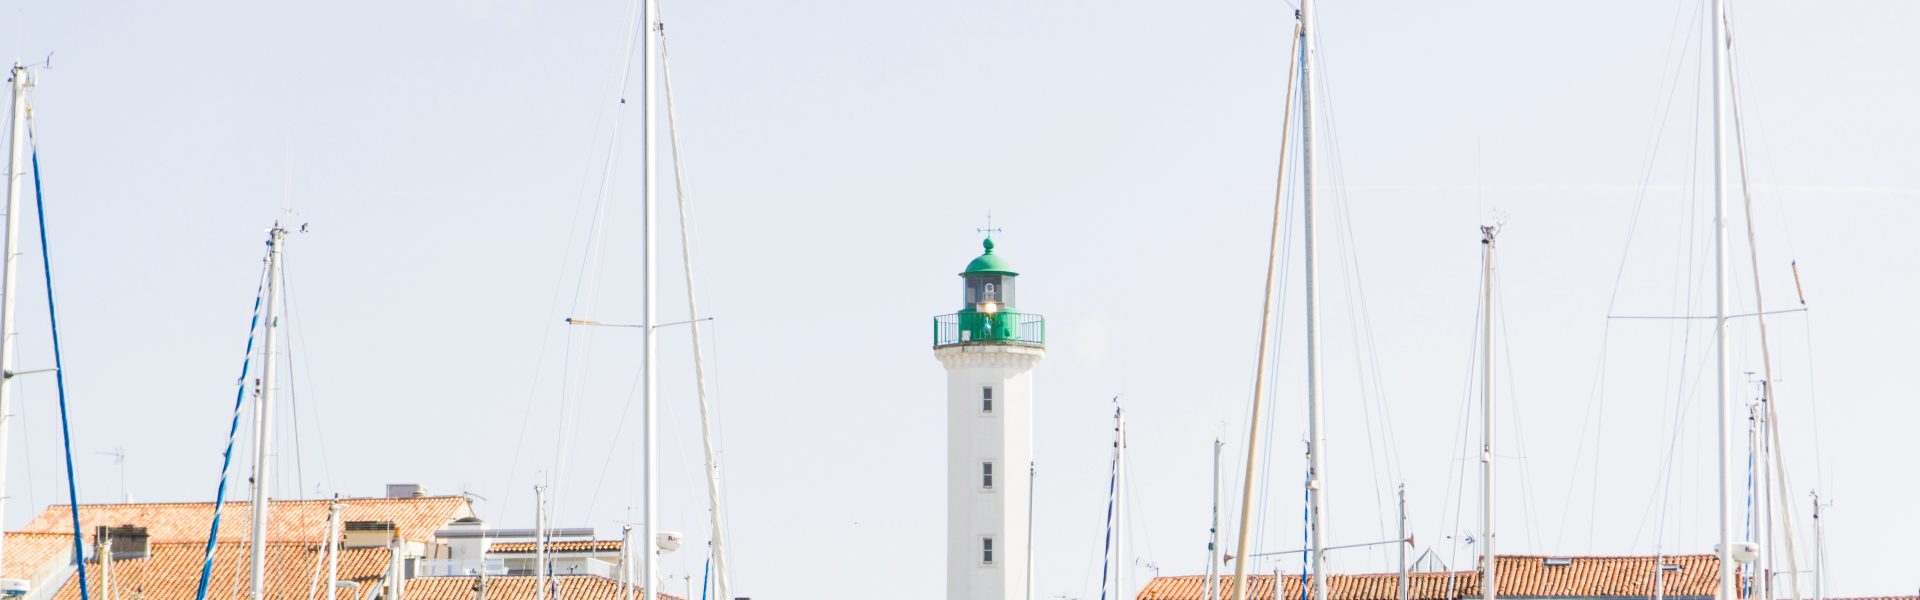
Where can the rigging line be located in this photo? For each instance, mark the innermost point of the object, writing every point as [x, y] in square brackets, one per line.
[321, 546]
[1766, 356]
[1684, 291]
[59, 368]
[1360, 372]
[1663, 478]
[1596, 399]
[1357, 285]
[1456, 486]
[239, 398]
[559, 284]
[707, 414]
[587, 286]
[293, 407]
[1760, 314]
[319, 424]
[1531, 507]
[1278, 344]
[613, 445]
[719, 430]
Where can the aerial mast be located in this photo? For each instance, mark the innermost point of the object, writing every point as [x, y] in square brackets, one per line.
[1722, 368]
[1316, 415]
[16, 175]
[263, 417]
[650, 527]
[1488, 584]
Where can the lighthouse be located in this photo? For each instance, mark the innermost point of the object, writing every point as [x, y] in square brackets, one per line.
[989, 349]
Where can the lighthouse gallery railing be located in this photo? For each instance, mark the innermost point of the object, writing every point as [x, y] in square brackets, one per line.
[989, 328]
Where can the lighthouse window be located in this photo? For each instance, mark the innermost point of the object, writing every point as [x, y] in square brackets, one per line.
[986, 475]
[986, 399]
[988, 291]
[986, 550]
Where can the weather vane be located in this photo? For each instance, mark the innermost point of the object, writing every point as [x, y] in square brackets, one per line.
[989, 229]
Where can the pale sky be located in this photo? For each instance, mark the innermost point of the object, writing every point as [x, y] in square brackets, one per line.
[448, 156]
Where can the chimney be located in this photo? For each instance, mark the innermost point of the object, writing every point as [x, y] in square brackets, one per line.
[405, 490]
[369, 534]
[465, 547]
[125, 542]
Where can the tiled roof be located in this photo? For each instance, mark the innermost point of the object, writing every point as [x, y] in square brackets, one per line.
[172, 572]
[572, 587]
[1698, 575]
[1520, 576]
[1372, 586]
[29, 553]
[567, 546]
[287, 520]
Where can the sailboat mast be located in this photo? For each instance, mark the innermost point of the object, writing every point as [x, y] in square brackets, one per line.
[16, 176]
[333, 548]
[1120, 562]
[1405, 541]
[722, 584]
[1819, 552]
[1212, 591]
[650, 528]
[1722, 367]
[1489, 586]
[1242, 547]
[539, 542]
[263, 417]
[1316, 417]
[1762, 523]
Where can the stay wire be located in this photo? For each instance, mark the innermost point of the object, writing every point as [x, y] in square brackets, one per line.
[226, 460]
[319, 423]
[1596, 400]
[59, 369]
[559, 286]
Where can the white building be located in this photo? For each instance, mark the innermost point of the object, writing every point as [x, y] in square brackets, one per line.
[989, 351]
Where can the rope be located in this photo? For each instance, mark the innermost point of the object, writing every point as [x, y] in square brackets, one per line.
[59, 370]
[226, 459]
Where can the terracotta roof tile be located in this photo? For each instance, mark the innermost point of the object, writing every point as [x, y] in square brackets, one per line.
[28, 554]
[287, 520]
[172, 572]
[571, 587]
[566, 546]
[1520, 576]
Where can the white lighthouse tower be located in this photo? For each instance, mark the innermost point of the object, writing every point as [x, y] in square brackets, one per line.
[989, 351]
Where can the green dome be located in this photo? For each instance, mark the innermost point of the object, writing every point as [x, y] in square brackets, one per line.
[988, 262]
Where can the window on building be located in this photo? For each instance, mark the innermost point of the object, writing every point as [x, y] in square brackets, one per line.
[986, 475]
[986, 550]
[986, 399]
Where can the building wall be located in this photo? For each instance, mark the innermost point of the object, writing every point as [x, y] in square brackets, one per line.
[1004, 437]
